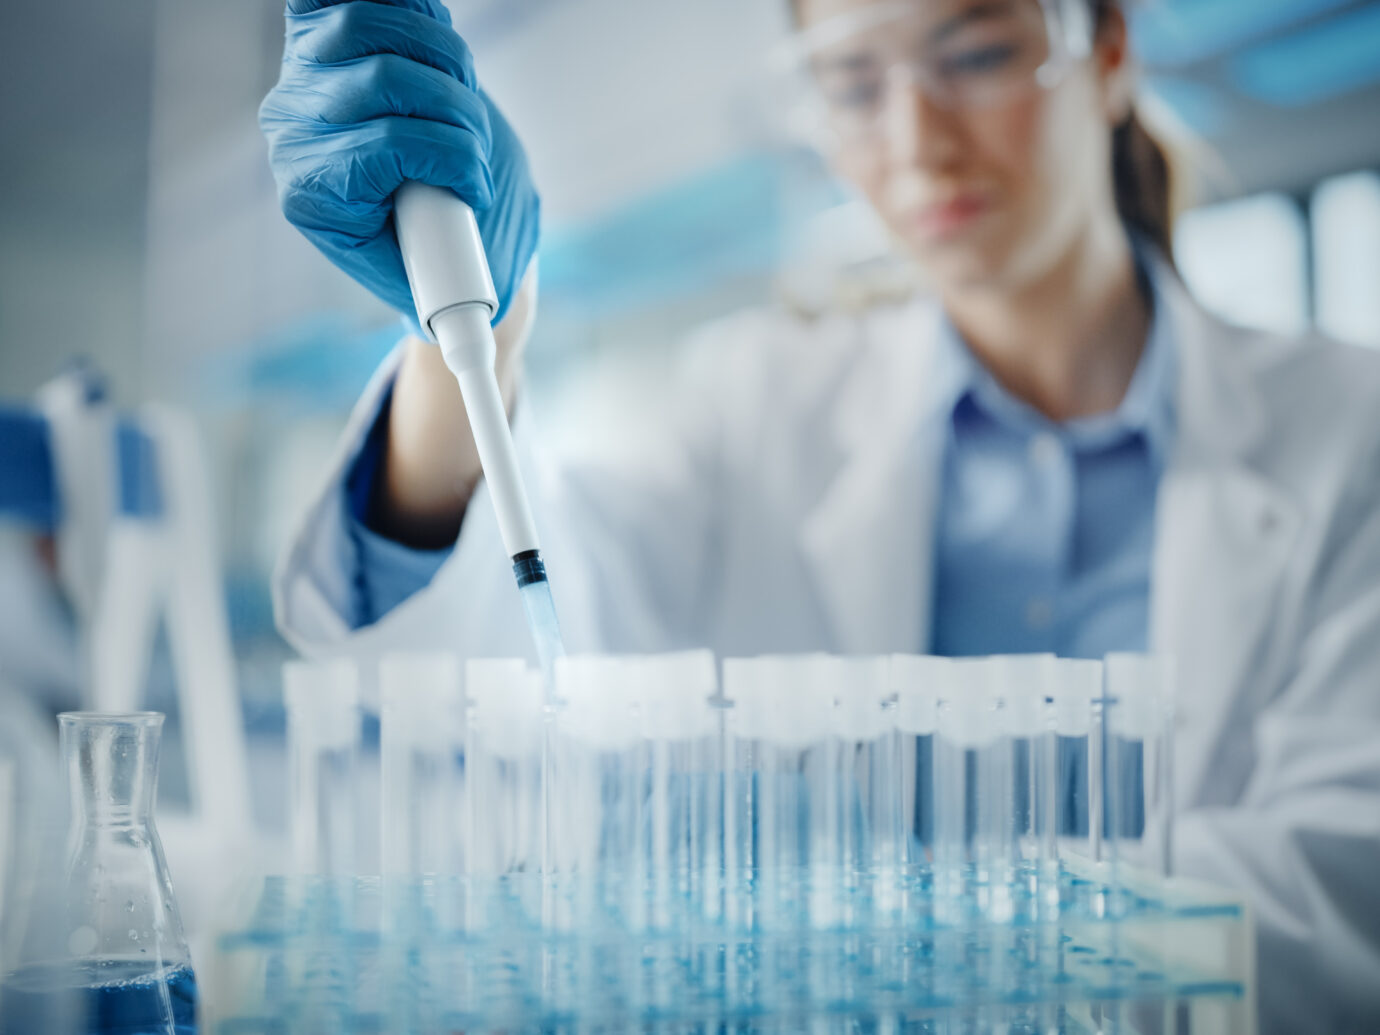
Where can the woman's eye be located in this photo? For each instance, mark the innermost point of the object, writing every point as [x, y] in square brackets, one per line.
[861, 93]
[979, 60]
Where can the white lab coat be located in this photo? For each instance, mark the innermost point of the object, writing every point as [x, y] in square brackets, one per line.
[793, 509]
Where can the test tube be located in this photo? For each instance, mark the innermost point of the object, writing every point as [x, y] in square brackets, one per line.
[323, 729]
[677, 843]
[974, 795]
[919, 681]
[1077, 693]
[780, 782]
[680, 841]
[1025, 683]
[870, 812]
[420, 735]
[596, 797]
[322, 703]
[597, 807]
[503, 767]
[1139, 760]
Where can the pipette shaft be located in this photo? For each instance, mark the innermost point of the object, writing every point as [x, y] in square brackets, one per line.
[454, 292]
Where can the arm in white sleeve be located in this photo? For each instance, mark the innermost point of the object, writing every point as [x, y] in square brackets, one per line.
[1304, 843]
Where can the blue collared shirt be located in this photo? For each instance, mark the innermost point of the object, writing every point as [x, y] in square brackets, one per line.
[1045, 530]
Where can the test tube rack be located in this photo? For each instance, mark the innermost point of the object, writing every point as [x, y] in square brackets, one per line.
[813, 843]
[523, 954]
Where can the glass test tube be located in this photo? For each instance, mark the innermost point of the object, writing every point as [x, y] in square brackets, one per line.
[919, 681]
[322, 703]
[503, 767]
[974, 794]
[680, 838]
[597, 808]
[779, 781]
[677, 842]
[1076, 694]
[1025, 683]
[324, 732]
[1139, 760]
[863, 723]
[420, 733]
[596, 797]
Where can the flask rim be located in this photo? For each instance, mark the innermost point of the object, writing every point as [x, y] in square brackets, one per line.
[111, 718]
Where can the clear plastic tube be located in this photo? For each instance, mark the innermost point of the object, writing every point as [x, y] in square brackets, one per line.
[597, 784]
[421, 733]
[322, 703]
[871, 837]
[919, 682]
[503, 767]
[974, 792]
[1025, 683]
[1076, 698]
[680, 841]
[677, 847]
[782, 787]
[324, 730]
[1139, 762]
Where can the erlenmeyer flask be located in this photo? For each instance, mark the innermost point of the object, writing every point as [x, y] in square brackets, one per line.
[111, 958]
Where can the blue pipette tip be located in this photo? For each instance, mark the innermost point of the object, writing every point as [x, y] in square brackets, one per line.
[541, 612]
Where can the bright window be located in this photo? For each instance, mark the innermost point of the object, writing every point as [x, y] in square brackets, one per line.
[1247, 260]
[1346, 248]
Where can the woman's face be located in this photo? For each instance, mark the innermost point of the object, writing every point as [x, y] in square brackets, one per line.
[986, 176]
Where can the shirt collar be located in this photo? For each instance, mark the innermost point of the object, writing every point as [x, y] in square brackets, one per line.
[1147, 407]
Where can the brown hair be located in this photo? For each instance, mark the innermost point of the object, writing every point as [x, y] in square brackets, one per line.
[1142, 174]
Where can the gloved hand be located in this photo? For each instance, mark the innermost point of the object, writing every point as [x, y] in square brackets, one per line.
[374, 93]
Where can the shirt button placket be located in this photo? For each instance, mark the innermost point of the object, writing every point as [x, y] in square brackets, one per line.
[1053, 470]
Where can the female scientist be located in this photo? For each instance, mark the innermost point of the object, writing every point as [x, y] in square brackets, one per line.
[1063, 453]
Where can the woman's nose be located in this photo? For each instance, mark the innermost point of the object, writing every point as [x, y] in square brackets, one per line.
[918, 131]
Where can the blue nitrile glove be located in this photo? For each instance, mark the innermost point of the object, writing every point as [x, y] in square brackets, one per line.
[374, 93]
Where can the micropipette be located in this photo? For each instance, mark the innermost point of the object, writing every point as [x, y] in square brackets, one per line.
[455, 297]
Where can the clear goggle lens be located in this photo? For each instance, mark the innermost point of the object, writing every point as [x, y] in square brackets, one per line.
[963, 54]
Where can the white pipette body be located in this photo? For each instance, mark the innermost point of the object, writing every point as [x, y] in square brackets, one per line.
[455, 297]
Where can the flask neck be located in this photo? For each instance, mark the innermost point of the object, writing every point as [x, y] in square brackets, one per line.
[112, 765]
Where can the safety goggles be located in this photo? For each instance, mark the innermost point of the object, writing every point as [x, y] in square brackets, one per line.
[964, 55]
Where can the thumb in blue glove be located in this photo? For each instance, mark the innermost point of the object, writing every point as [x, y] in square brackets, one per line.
[372, 95]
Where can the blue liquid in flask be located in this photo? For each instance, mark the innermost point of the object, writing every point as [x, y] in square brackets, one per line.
[99, 997]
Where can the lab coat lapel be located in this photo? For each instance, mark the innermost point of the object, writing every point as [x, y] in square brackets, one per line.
[1223, 539]
[868, 543]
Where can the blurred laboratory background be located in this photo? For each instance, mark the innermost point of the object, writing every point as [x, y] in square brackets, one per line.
[142, 231]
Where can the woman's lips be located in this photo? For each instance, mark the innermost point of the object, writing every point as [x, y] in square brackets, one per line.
[949, 217]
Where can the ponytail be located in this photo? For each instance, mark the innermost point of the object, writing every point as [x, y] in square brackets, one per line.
[1142, 174]
[1144, 183]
